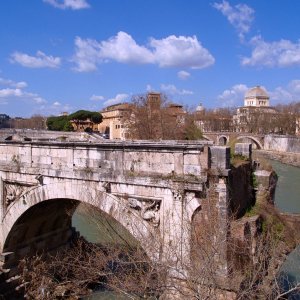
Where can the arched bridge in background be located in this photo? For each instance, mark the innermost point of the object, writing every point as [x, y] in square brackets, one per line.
[230, 138]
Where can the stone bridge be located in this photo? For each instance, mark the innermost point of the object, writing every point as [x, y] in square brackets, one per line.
[153, 190]
[230, 138]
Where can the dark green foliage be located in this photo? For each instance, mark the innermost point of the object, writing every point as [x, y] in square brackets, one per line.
[62, 123]
[82, 115]
[58, 123]
[68, 127]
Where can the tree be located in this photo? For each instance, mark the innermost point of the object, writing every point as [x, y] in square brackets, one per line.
[191, 130]
[60, 123]
[37, 122]
[63, 123]
[154, 117]
[4, 121]
[126, 269]
[217, 119]
[82, 115]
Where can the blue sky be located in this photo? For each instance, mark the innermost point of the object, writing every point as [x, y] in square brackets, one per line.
[65, 55]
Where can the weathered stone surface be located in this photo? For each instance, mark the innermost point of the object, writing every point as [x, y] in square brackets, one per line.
[244, 149]
[282, 143]
[266, 185]
[220, 157]
[152, 189]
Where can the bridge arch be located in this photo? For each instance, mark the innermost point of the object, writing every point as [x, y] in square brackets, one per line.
[69, 194]
[223, 140]
[253, 140]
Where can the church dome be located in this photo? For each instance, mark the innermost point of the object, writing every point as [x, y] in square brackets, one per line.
[199, 108]
[256, 92]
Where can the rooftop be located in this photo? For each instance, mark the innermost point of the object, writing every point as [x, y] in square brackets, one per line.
[256, 92]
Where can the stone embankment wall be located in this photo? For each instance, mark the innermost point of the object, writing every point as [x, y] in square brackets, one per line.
[282, 143]
[288, 158]
[42, 135]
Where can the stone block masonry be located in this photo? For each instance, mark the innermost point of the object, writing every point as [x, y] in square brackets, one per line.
[153, 190]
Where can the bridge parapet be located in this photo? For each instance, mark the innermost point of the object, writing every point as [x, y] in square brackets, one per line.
[104, 161]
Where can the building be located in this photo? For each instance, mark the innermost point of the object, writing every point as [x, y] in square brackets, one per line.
[113, 121]
[84, 125]
[150, 107]
[256, 116]
[256, 97]
[218, 119]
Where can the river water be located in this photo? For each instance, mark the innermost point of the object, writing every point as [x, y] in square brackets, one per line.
[287, 199]
[287, 196]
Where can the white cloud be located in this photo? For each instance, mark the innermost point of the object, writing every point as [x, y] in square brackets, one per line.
[294, 86]
[11, 83]
[169, 52]
[15, 91]
[96, 98]
[149, 88]
[118, 99]
[41, 60]
[181, 52]
[19, 93]
[65, 4]
[8, 92]
[39, 100]
[183, 75]
[56, 108]
[287, 94]
[283, 53]
[173, 90]
[87, 55]
[20, 85]
[34, 97]
[280, 95]
[240, 16]
[233, 96]
[123, 48]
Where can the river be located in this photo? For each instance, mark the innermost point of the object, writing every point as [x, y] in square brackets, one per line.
[287, 199]
[287, 196]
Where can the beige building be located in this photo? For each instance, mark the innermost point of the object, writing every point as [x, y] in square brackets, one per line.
[113, 117]
[112, 122]
[256, 115]
[84, 125]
